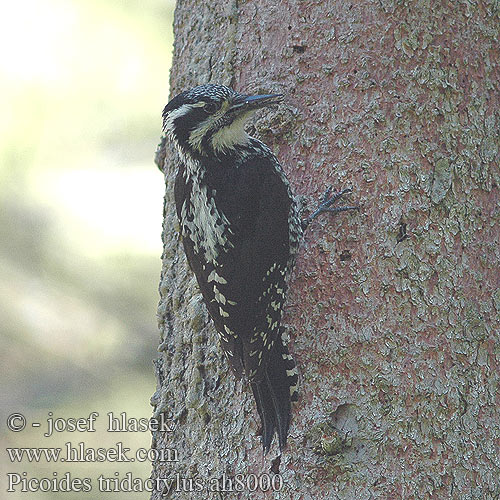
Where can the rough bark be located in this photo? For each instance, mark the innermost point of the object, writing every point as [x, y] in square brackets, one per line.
[394, 312]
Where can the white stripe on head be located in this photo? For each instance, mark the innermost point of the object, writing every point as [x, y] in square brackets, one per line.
[168, 124]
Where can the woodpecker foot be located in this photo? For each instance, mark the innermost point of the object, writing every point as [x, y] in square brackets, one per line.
[326, 203]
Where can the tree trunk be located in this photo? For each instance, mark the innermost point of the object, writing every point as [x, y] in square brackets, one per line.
[393, 313]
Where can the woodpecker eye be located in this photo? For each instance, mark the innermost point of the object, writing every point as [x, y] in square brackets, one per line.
[211, 107]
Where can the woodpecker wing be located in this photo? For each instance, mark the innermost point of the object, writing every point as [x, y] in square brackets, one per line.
[246, 203]
[258, 204]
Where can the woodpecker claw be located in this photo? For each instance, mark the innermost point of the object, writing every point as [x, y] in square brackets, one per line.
[326, 195]
[326, 203]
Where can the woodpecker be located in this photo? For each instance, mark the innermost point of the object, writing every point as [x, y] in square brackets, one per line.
[241, 228]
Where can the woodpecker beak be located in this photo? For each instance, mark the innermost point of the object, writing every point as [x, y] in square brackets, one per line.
[250, 103]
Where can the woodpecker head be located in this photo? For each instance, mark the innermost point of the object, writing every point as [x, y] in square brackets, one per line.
[209, 119]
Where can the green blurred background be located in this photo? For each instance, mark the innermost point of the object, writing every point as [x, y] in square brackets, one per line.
[82, 86]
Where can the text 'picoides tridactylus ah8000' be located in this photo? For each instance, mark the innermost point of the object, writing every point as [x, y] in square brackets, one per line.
[241, 230]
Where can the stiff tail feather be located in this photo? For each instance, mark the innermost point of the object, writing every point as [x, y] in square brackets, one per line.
[274, 394]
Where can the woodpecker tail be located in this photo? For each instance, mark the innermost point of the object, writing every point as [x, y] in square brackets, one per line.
[274, 394]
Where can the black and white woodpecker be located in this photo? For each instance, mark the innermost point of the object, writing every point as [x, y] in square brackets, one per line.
[241, 229]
